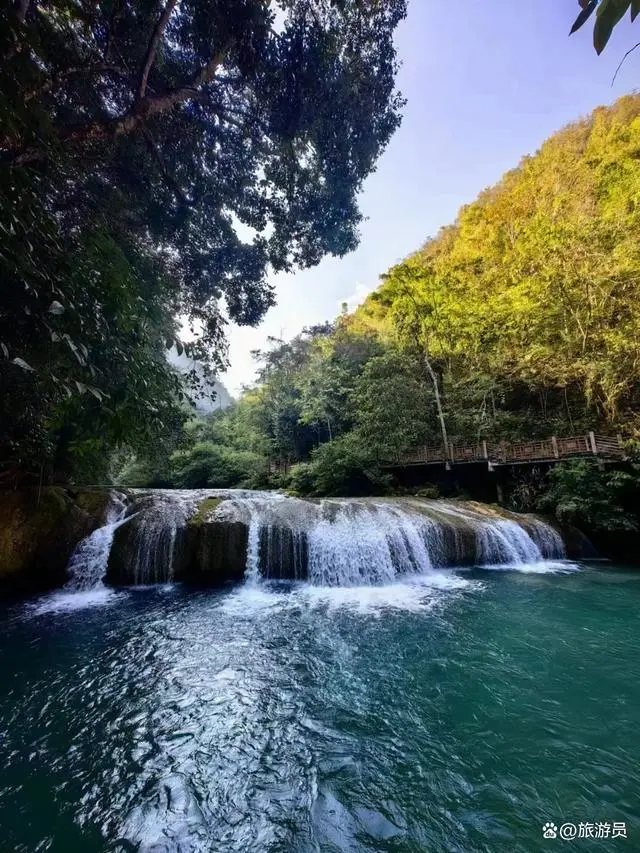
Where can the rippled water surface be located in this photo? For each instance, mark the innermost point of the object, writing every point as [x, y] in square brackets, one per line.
[458, 714]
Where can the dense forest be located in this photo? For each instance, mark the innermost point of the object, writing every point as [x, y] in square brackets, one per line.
[156, 161]
[518, 321]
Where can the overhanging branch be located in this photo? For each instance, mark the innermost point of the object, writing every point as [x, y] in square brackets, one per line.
[153, 46]
[168, 178]
[130, 121]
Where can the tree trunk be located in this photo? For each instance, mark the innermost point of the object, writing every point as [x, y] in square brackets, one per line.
[436, 391]
[566, 402]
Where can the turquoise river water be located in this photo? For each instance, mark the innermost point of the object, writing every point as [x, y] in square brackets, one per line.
[458, 712]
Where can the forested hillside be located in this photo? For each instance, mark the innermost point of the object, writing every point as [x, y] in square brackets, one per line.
[520, 320]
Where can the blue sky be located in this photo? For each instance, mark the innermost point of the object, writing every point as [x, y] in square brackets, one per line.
[486, 83]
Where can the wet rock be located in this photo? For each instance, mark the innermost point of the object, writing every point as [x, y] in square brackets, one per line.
[216, 552]
[39, 529]
[283, 554]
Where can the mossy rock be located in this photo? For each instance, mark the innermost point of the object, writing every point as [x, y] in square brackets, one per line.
[206, 551]
[95, 502]
[206, 509]
[39, 529]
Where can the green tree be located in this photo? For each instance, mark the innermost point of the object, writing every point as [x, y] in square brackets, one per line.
[392, 406]
[531, 291]
[203, 143]
[327, 380]
[593, 498]
[184, 120]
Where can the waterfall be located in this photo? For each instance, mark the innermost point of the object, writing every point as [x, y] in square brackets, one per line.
[354, 544]
[548, 540]
[351, 542]
[329, 542]
[253, 543]
[158, 533]
[88, 563]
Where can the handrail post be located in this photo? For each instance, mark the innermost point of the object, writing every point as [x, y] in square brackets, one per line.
[485, 450]
[592, 441]
[554, 442]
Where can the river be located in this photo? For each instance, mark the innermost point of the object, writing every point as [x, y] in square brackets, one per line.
[458, 711]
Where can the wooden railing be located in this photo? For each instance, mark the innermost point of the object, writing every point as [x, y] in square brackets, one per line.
[544, 450]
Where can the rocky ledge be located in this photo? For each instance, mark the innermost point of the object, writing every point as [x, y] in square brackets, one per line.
[39, 528]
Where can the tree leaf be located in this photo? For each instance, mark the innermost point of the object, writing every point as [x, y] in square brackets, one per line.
[23, 364]
[4, 349]
[610, 12]
[81, 387]
[587, 10]
[56, 307]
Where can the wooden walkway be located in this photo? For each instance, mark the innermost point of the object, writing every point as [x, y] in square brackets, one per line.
[527, 453]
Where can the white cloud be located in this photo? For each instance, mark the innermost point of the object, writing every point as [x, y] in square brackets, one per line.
[357, 296]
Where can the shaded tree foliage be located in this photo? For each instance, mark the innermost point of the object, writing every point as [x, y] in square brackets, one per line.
[200, 144]
[608, 14]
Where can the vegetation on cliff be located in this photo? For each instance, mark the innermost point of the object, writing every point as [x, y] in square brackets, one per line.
[519, 321]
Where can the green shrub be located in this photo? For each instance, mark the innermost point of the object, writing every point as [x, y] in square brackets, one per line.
[341, 467]
[593, 498]
[213, 465]
[141, 473]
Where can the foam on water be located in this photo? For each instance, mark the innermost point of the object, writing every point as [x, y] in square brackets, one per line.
[418, 596]
[544, 567]
[415, 595]
[65, 601]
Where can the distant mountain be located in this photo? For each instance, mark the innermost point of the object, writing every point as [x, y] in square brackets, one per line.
[204, 405]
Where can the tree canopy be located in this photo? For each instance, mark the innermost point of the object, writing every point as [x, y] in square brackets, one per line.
[157, 160]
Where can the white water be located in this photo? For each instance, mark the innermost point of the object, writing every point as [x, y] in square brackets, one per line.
[88, 567]
[88, 564]
[253, 545]
[374, 542]
[354, 544]
[341, 542]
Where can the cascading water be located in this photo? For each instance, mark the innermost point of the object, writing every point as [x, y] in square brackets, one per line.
[158, 531]
[548, 540]
[354, 542]
[505, 541]
[88, 563]
[330, 542]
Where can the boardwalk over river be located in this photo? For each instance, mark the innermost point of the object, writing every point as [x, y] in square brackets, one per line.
[551, 449]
